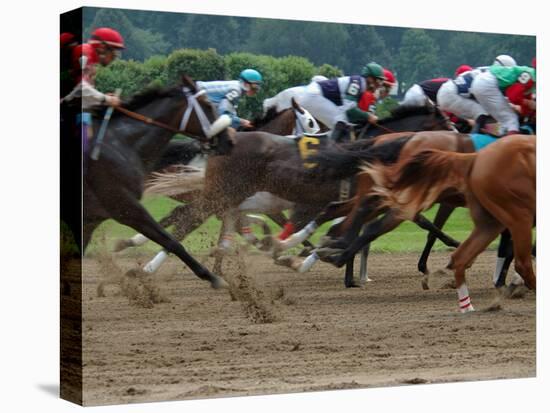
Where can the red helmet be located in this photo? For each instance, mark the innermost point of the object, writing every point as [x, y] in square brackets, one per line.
[105, 35]
[390, 78]
[462, 68]
[83, 50]
[67, 39]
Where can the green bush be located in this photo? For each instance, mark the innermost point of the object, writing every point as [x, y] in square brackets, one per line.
[329, 71]
[278, 73]
[198, 64]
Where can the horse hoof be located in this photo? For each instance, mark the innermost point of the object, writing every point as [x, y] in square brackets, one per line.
[121, 245]
[219, 283]
[289, 261]
[352, 284]
[425, 284]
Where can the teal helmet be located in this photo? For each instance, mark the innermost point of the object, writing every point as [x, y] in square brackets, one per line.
[374, 70]
[251, 76]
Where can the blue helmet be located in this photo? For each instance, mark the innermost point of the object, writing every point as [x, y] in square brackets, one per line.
[251, 76]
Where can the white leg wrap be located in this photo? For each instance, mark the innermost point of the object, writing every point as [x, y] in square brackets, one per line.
[299, 236]
[464, 302]
[227, 241]
[139, 239]
[153, 265]
[309, 262]
[498, 268]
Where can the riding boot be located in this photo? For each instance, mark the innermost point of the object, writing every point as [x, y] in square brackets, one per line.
[340, 133]
[480, 123]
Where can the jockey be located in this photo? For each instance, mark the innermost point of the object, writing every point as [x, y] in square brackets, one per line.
[368, 100]
[455, 98]
[500, 87]
[319, 78]
[421, 93]
[387, 85]
[101, 49]
[225, 94]
[504, 60]
[334, 102]
[462, 69]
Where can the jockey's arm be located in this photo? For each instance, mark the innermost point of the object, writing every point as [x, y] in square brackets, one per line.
[356, 115]
[91, 96]
[227, 108]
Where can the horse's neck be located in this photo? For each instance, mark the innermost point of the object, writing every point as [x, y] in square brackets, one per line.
[147, 141]
[281, 125]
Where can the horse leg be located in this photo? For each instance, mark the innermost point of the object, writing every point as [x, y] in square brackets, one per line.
[130, 212]
[443, 213]
[424, 223]
[349, 282]
[504, 259]
[463, 257]
[368, 209]
[363, 267]
[332, 211]
[522, 237]
[372, 231]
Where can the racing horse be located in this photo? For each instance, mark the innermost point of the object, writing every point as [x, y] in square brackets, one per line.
[259, 162]
[113, 184]
[498, 183]
[185, 184]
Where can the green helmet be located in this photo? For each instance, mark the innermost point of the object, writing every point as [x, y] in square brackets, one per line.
[251, 76]
[374, 70]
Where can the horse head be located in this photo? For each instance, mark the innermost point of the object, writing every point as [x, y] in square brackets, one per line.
[202, 117]
[304, 119]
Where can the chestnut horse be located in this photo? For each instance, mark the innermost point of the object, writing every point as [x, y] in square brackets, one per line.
[499, 185]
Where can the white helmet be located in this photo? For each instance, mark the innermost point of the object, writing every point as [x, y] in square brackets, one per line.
[318, 78]
[505, 60]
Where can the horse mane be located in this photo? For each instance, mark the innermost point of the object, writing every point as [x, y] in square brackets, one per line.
[148, 95]
[402, 111]
[414, 184]
[342, 161]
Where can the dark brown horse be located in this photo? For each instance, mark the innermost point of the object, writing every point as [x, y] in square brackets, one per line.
[113, 184]
[259, 162]
[499, 185]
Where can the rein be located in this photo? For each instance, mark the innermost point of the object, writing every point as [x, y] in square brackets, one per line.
[384, 128]
[192, 104]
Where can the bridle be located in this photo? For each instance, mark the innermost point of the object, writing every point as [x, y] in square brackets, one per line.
[192, 105]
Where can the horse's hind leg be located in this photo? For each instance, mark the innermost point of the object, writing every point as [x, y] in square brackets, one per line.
[443, 213]
[505, 256]
[522, 237]
[130, 212]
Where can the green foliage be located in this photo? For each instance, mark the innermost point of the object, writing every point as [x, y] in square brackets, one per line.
[131, 76]
[329, 71]
[140, 43]
[384, 108]
[199, 64]
[418, 57]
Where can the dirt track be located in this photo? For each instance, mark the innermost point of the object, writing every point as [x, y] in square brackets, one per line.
[319, 335]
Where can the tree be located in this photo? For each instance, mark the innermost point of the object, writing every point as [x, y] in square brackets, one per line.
[319, 42]
[140, 43]
[418, 57]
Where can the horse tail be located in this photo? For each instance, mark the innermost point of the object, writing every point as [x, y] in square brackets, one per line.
[414, 184]
[343, 161]
[181, 180]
